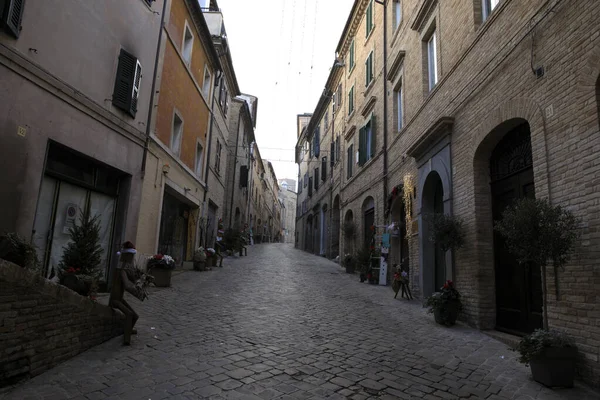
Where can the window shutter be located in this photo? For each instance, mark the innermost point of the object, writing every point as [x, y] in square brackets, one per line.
[13, 15]
[243, 176]
[373, 136]
[310, 187]
[362, 146]
[316, 179]
[324, 168]
[317, 143]
[332, 154]
[127, 83]
[349, 163]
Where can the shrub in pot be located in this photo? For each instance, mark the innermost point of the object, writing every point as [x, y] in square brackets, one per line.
[349, 263]
[161, 267]
[551, 356]
[17, 250]
[445, 304]
[82, 256]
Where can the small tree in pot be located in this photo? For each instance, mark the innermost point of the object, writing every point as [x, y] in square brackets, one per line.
[538, 233]
[446, 231]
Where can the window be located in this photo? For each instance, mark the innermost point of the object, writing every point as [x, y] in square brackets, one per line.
[332, 155]
[305, 179]
[11, 12]
[326, 120]
[316, 179]
[399, 108]
[324, 168]
[338, 98]
[432, 61]
[397, 13]
[351, 101]
[218, 157]
[349, 161]
[188, 44]
[366, 145]
[310, 186]
[199, 160]
[317, 141]
[176, 134]
[369, 70]
[488, 6]
[338, 149]
[224, 96]
[127, 83]
[369, 18]
[351, 63]
[206, 82]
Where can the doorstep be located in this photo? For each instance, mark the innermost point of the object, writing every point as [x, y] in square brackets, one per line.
[510, 340]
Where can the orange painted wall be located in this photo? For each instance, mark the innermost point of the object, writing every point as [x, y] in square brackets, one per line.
[178, 90]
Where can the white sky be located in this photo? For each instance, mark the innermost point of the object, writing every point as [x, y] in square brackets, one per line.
[282, 51]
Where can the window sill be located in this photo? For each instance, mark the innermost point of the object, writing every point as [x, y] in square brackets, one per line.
[370, 34]
[396, 33]
[369, 87]
[352, 68]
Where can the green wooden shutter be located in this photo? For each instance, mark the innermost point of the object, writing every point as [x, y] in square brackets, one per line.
[362, 146]
[373, 136]
[124, 83]
[13, 16]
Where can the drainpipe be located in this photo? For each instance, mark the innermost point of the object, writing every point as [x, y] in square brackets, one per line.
[331, 179]
[385, 98]
[151, 106]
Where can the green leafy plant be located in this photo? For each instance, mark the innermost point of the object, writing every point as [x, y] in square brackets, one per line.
[349, 229]
[532, 346]
[441, 300]
[446, 230]
[363, 259]
[537, 233]
[17, 250]
[83, 253]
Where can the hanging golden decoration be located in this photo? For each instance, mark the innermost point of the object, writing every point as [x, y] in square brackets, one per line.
[408, 189]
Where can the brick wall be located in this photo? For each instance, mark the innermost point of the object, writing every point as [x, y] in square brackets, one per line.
[43, 324]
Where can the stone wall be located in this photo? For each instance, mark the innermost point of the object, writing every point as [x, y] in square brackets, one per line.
[43, 324]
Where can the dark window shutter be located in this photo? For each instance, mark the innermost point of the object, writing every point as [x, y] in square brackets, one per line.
[310, 187]
[13, 15]
[316, 179]
[350, 161]
[338, 150]
[332, 154]
[317, 142]
[373, 137]
[124, 83]
[324, 168]
[362, 146]
[243, 176]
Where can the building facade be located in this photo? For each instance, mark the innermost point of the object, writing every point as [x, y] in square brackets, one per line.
[74, 117]
[288, 198]
[450, 114]
[175, 180]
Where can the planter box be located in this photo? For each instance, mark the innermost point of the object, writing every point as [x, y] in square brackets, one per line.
[555, 367]
[162, 277]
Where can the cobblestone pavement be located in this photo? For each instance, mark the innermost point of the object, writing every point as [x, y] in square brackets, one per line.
[282, 324]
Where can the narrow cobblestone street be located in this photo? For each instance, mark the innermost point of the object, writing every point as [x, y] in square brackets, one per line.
[282, 324]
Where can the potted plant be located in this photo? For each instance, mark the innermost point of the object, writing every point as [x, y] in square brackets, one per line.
[538, 234]
[80, 263]
[200, 259]
[551, 356]
[349, 263]
[363, 261]
[211, 259]
[445, 304]
[161, 267]
[17, 250]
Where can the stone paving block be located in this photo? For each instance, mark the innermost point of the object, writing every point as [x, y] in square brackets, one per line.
[229, 384]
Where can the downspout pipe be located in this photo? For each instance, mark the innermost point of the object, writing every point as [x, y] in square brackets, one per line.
[385, 102]
[151, 105]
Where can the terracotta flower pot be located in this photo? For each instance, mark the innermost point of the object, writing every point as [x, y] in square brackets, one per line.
[555, 366]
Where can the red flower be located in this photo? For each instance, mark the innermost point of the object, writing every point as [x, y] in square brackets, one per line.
[158, 256]
[446, 286]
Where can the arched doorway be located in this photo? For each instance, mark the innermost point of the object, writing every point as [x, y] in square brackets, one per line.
[399, 237]
[518, 289]
[435, 271]
[323, 234]
[368, 211]
[335, 228]
[349, 237]
[316, 231]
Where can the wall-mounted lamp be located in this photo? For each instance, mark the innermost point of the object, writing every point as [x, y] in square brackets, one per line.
[166, 168]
